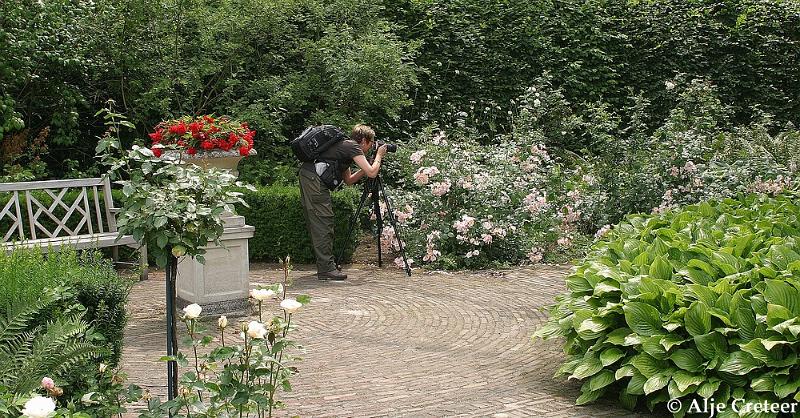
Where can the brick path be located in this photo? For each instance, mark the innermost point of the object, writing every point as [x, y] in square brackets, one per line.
[380, 344]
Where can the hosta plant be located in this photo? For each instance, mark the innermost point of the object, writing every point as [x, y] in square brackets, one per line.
[694, 304]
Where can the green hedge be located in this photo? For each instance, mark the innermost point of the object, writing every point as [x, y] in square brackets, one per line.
[277, 214]
[92, 280]
[694, 304]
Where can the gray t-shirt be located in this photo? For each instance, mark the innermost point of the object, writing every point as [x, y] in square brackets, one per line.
[343, 151]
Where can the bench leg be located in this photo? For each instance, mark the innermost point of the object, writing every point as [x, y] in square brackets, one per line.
[143, 262]
[115, 254]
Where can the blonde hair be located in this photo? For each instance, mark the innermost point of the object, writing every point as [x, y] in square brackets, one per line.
[362, 132]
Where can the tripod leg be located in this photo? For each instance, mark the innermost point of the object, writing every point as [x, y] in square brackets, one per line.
[393, 222]
[352, 225]
[378, 216]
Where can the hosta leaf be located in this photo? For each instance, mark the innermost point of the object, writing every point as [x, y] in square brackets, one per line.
[600, 380]
[591, 365]
[763, 383]
[627, 400]
[784, 326]
[703, 266]
[671, 340]
[778, 292]
[777, 314]
[636, 384]
[784, 388]
[642, 318]
[592, 328]
[688, 359]
[684, 380]
[625, 371]
[739, 363]
[617, 337]
[721, 315]
[611, 355]
[632, 339]
[698, 320]
[708, 388]
[660, 268]
[569, 367]
[647, 365]
[656, 382]
[652, 345]
[711, 345]
[745, 319]
[589, 397]
[548, 330]
[702, 294]
[769, 344]
[604, 287]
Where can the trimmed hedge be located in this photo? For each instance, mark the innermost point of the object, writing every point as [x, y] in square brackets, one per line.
[92, 280]
[694, 304]
[277, 214]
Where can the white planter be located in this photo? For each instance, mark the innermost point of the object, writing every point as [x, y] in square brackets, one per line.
[222, 284]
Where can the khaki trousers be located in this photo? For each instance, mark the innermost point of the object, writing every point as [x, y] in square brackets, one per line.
[318, 212]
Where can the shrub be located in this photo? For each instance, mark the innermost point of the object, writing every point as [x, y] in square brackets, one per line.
[466, 205]
[277, 214]
[692, 304]
[94, 285]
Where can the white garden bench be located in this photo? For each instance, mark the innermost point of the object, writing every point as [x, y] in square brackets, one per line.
[79, 223]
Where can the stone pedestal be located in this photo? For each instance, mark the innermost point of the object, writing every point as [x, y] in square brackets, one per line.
[222, 284]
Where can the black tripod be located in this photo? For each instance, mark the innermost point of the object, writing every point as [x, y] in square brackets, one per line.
[375, 189]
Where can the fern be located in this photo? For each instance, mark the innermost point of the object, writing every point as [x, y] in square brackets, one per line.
[28, 353]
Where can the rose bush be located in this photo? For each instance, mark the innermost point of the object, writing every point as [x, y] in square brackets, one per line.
[467, 205]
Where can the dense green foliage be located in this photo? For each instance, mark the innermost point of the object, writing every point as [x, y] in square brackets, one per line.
[289, 63]
[701, 302]
[94, 286]
[277, 214]
[477, 56]
[278, 66]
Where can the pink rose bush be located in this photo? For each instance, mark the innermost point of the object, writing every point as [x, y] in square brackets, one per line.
[470, 205]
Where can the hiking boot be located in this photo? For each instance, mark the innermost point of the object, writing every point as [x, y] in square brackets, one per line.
[332, 275]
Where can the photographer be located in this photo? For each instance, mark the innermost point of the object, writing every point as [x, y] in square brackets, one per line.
[316, 198]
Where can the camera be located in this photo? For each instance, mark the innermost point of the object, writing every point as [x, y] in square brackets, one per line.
[389, 147]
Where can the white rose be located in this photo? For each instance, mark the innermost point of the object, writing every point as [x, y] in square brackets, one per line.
[192, 311]
[262, 294]
[87, 399]
[39, 407]
[222, 322]
[290, 305]
[256, 330]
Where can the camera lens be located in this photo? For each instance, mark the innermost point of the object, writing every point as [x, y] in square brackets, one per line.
[389, 147]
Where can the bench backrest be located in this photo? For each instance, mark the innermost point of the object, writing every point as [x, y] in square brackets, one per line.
[55, 208]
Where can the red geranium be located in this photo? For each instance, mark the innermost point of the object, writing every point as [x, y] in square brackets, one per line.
[203, 133]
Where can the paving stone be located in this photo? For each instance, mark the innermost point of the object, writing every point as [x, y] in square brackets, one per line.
[383, 344]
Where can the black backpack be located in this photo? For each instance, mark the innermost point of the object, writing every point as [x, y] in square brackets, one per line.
[315, 140]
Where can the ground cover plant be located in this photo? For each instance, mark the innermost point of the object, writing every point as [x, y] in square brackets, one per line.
[692, 304]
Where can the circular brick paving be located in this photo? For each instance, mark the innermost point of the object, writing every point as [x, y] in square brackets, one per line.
[382, 344]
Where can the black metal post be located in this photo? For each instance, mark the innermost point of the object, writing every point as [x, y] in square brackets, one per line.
[172, 337]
